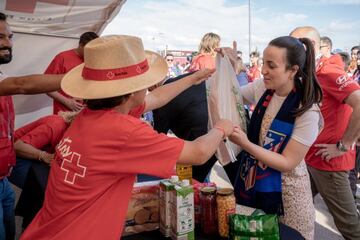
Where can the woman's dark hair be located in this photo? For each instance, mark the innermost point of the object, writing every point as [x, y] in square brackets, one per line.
[346, 59]
[301, 52]
[87, 37]
[254, 54]
[105, 103]
[2, 17]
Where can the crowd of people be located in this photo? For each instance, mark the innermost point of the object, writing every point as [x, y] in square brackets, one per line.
[300, 141]
[205, 58]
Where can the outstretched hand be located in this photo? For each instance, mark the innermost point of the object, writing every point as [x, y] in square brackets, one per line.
[202, 75]
[231, 53]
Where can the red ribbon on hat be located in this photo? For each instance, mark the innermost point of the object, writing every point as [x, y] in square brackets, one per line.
[116, 73]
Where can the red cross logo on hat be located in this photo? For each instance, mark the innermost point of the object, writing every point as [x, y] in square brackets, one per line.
[73, 168]
[110, 75]
[28, 6]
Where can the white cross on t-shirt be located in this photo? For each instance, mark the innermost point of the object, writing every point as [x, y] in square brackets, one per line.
[73, 168]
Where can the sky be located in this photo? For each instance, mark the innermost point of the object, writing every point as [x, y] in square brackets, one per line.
[180, 24]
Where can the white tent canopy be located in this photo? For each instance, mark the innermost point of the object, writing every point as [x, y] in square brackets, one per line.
[43, 28]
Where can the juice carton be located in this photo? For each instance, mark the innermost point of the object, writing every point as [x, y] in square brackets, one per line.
[166, 186]
[182, 214]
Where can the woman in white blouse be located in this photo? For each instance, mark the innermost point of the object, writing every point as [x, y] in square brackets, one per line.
[288, 67]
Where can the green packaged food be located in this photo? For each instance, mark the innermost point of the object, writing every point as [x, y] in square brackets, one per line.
[259, 227]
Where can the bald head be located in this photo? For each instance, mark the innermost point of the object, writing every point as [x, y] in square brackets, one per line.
[310, 33]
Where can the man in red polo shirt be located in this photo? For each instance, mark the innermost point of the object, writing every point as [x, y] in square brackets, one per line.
[63, 63]
[31, 84]
[332, 155]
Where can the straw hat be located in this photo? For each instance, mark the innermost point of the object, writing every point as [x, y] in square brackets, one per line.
[114, 66]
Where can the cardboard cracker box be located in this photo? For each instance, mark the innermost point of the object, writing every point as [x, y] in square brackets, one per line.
[143, 209]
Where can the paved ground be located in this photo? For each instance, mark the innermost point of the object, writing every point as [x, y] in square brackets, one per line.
[324, 228]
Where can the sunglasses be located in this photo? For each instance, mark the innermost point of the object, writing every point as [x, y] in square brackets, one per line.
[169, 60]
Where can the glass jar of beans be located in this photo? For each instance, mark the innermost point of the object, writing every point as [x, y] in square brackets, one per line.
[225, 206]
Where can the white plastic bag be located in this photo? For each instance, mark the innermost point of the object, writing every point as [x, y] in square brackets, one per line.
[224, 101]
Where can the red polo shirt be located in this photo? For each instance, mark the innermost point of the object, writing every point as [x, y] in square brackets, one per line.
[336, 86]
[44, 133]
[7, 118]
[61, 64]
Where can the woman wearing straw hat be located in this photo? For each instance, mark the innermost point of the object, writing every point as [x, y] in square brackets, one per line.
[106, 146]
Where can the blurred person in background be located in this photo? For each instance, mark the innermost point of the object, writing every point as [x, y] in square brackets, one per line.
[173, 69]
[241, 72]
[206, 56]
[187, 65]
[239, 53]
[356, 75]
[254, 73]
[325, 46]
[354, 173]
[354, 57]
[346, 59]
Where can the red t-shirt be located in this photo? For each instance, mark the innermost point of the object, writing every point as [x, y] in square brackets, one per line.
[336, 86]
[61, 64]
[254, 74]
[202, 61]
[7, 118]
[44, 133]
[93, 173]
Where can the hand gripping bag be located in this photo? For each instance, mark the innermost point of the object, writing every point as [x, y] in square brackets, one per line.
[225, 102]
